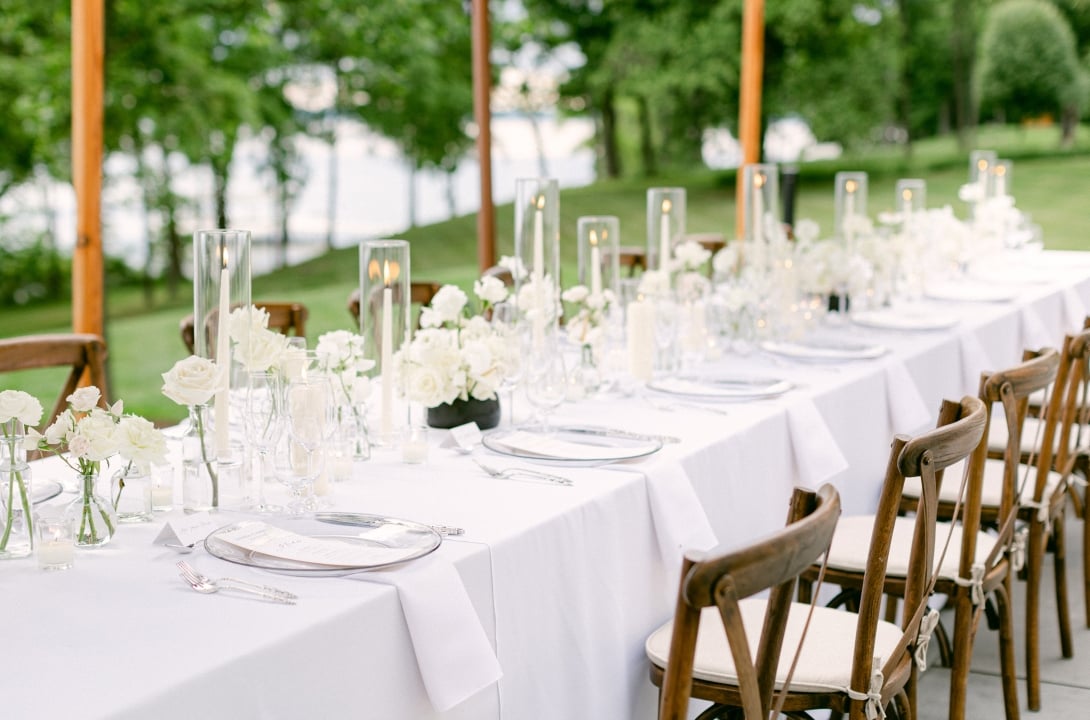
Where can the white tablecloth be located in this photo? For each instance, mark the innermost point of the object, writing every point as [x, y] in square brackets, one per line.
[567, 582]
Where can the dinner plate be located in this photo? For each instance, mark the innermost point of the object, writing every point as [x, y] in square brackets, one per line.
[350, 542]
[824, 350]
[724, 388]
[572, 445]
[970, 292]
[44, 490]
[905, 319]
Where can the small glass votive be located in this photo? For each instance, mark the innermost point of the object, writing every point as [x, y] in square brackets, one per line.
[414, 444]
[162, 488]
[56, 541]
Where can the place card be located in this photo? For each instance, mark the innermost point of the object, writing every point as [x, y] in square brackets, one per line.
[270, 541]
[187, 530]
[464, 437]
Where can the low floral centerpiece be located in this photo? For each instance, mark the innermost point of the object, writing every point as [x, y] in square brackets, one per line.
[456, 361]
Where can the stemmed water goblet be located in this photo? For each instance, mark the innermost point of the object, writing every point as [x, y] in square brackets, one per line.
[309, 422]
[515, 333]
[666, 330]
[263, 424]
[546, 381]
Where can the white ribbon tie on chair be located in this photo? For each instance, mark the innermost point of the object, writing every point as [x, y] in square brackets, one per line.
[874, 709]
[1018, 549]
[975, 583]
[928, 623]
[1043, 515]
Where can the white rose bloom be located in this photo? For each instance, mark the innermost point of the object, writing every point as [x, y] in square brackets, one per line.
[596, 301]
[485, 388]
[426, 385]
[61, 429]
[192, 381]
[575, 294]
[514, 266]
[806, 230]
[21, 406]
[725, 260]
[478, 359]
[95, 436]
[31, 439]
[691, 254]
[84, 399]
[140, 442]
[264, 350]
[448, 302]
[430, 318]
[475, 328]
[490, 289]
[243, 321]
[654, 282]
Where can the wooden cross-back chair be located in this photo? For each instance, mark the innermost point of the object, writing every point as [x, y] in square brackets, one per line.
[838, 666]
[289, 318]
[421, 293]
[80, 352]
[630, 259]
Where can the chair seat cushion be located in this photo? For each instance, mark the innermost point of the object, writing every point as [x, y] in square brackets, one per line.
[851, 545]
[1032, 432]
[992, 488]
[825, 662]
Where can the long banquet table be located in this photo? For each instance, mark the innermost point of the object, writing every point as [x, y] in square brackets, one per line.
[566, 582]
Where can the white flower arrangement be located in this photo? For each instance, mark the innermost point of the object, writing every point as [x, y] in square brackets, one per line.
[590, 310]
[690, 256]
[456, 355]
[341, 355]
[257, 347]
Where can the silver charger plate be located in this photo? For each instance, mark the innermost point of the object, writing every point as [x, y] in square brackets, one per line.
[909, 319]
[413, 539]
[44, 490]
[824, 350]
[597, 445]
[725, 388]
[970, 292]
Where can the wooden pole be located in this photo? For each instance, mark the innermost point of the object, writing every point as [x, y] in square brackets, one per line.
[749, 107]
[88, 48]
[482, 113]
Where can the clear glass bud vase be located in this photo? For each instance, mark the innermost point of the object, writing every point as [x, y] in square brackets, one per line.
[200, 481]
[16, 519]
[91, 515]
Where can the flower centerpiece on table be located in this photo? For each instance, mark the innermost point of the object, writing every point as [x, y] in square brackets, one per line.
[342, 357]
[256, 347]
[192, 383]
[589, 312]
[18, 411]
[86, 435]
[455, 363]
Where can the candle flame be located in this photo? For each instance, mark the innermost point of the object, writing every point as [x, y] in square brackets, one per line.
[223, 256]
[1000, 170]
[540, 202]
[759, 180]
[666, 205]
[850, 186]
[390, 272]
[906, 194]
[982, 164]
[594, 237]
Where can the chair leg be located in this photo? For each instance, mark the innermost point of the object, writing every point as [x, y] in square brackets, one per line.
[1034, 562]
[962, 654]
[1086, 557]
[1006, 649]
[904, 706]
[1059, 564]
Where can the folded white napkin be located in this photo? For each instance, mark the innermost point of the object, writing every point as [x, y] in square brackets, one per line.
[908, 412]
[974, 361]
[680, 520]
[456, 659]
[817, 456]
[1034, 334]
[1074, 310]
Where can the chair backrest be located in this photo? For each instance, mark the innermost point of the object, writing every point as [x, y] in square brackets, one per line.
[289, 318]
[1075, 364]
[630, 258]
[82, 353]
[724, 580]
[420, 292]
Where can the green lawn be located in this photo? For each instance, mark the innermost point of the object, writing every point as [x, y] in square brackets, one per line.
[1050, 186]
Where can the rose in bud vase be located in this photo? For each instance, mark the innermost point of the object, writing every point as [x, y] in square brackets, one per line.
[193, 382]
[18, 411]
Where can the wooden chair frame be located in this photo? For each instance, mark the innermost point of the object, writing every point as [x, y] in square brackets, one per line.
[82, 352]
[289, 318]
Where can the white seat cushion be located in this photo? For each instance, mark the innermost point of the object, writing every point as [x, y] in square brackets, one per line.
[851, 545]
[992, 490]
[825, 662]
[1032, 432]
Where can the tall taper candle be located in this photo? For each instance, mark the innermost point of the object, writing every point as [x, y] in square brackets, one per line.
[223, 360]
[387, 354]
[664, 237]
[595, 265]
[538, 275]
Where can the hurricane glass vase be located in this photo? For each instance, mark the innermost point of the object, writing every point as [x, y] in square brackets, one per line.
[16, 519]
[91, 515]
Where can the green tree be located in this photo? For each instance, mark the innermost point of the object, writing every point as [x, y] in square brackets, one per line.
[1028, 64]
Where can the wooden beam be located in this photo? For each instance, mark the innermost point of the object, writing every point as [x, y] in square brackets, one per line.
[482, 113]
[88, 49]
[749, 106]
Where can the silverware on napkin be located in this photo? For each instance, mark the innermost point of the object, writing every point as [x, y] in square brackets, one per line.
[204, 584]
[528, 474]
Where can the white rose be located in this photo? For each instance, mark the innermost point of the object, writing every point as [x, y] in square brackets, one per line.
[192, 381]
[575, 294]
[691, 254]
[514, 266]
[140, 442]
[426, 386]
[62, 427]
[95, 437]
[244, 321]
[430, 318]
[448, 302]
[477, 356]
[476, 327]
[263, 350]
[725, 261]
[490, 289]
[84, 399]
[21, 406]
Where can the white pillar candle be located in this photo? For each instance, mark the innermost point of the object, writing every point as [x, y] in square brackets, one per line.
[538, 276]
[758, 220]
[1000, 181]
[387, 418]
[595, 265]
[640, 335]
[983, 168]
[223, 359]
[846, 221]
[664, 237]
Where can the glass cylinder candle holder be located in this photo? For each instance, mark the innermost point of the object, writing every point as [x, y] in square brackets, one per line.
[850, 203]
[599, 252]
[385, 316]
[537, 247]
[665, 225]
[1001, 178]
[910, 197]
[761, 233]
[980, 169]
[221, 283]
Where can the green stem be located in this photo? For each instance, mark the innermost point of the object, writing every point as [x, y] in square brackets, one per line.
[207, 462]
[121, 484]
[15, 476]
[11, 514]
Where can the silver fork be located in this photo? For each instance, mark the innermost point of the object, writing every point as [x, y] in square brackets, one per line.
[204, 584]
[522, 474]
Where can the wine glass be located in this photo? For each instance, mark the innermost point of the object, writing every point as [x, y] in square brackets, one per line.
[546, 381]
[309, 422]
[509, 326]
[666, 330]
[262, 421]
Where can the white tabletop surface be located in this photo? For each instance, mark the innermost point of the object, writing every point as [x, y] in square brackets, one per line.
[566, 581]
